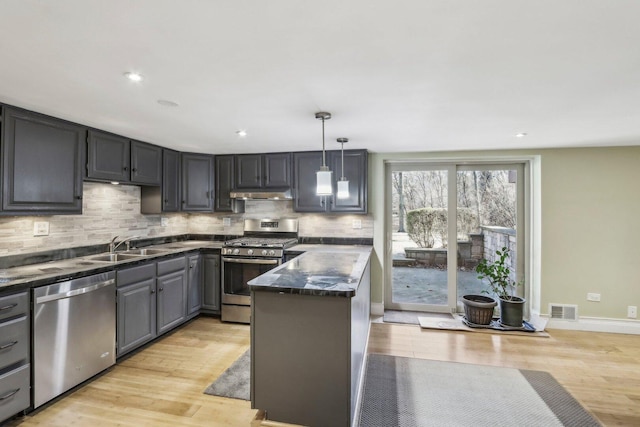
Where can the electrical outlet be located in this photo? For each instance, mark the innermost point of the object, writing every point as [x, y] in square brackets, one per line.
[226, 222]
[593, 297]
[632, 312]
[41, 228]
[164, 222]
[357, 224]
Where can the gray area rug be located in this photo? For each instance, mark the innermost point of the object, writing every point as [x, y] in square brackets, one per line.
[406, 392]
[409, 317]
[235, 382]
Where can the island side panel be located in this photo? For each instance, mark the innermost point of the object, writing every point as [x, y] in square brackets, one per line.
[360, 326]
[301, 358]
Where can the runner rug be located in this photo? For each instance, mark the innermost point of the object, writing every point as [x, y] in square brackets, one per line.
[407, 392]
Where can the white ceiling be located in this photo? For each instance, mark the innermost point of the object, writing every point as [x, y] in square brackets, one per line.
[402, 75]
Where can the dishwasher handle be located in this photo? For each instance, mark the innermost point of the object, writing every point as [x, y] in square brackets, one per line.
[69, 294]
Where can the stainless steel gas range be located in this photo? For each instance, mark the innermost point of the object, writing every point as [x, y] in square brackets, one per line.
[260, 250]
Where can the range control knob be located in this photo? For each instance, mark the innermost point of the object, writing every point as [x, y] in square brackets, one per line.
[236, 251]
[250, 252]
[272, 252]
[264, 252]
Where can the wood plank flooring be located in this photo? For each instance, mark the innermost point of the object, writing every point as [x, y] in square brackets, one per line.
[163, 384]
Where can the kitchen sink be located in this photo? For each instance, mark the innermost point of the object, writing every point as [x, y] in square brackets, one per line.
[145, 251]
[114, 257]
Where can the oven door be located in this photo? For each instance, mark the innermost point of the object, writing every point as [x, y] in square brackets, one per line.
[236, 272]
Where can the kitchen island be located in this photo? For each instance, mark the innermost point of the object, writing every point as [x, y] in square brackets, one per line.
[309, 331]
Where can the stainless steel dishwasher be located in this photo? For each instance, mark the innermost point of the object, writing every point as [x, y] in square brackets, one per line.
[74, 333]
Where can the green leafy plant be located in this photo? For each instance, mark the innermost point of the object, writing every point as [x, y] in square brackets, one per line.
[498, 275]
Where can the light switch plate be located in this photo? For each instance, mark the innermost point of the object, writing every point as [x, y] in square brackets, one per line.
[164, 222]
[226, 222]
[41, 228]
[357, 224]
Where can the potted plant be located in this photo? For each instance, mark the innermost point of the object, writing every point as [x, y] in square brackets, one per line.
[498, 275]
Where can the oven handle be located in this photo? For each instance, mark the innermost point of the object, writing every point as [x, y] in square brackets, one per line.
[251, 261]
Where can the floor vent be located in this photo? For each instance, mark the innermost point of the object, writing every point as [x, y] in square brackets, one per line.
[563, 311]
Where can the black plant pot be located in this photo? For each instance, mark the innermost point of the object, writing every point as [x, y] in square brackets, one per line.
[511, 311]
[478, 309]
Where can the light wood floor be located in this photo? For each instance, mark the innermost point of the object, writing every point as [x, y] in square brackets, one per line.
[162, 385]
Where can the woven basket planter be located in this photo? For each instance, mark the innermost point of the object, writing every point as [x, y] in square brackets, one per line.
[478, 309]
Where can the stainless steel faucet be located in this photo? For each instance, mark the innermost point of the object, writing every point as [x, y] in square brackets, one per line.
[113, 245]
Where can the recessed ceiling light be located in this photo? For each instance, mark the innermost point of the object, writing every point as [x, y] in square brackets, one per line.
[241, 133]
[521, 135]
[167, 103]
[134, 77]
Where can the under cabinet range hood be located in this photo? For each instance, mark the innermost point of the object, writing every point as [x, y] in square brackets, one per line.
[261, 195]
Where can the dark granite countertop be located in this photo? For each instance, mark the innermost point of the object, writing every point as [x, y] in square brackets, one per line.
[27, 276]
[320, 271]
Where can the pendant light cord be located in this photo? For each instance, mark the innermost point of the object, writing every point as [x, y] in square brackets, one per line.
[323, 156]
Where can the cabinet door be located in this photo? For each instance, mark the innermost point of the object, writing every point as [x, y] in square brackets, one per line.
[146, 163]
[171, 301]
[194, 277]
[43, 159]
[136, 323]
[197, 182]
[249, 171]
[170, 181]
[211, 285]
[224, 182]
[305, 166]
[277, 170]
[355, 171]
[108, 157]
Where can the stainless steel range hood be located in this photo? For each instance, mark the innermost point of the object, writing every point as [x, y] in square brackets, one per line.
[261, 195]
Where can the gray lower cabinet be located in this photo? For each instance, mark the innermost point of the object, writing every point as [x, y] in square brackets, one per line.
[42, 164]
[211, 284]
[15, 350]
[136, 305]
[151, 300]
[194, 285]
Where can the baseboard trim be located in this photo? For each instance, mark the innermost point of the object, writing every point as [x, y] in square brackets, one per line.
[596, 324]
[377, 309]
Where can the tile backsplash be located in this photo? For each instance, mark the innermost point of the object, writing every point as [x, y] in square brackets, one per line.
[114, 210]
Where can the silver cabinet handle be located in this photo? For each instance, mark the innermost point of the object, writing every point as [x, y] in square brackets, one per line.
[8, 395]
[7, 345]
[8, 307]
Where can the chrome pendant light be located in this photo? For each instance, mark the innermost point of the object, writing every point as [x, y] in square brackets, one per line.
[343, 183]
[324, 177]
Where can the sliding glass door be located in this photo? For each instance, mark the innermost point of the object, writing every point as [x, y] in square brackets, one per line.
[442, 218]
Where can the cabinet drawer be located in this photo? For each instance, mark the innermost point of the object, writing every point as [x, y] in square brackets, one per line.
[14, 305]
[14, 341]
[136, 274]
[14, 392]
[171, 265]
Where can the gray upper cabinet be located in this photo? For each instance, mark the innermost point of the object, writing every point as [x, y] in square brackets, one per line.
[224, 182]
[255, 171]
[170, 181]
[306, 164]
[277, 170]
[355, 171]
[197, 182]
[248, 171]
[116, 158]
[146, 163]
[42, 163]
[108, 157]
